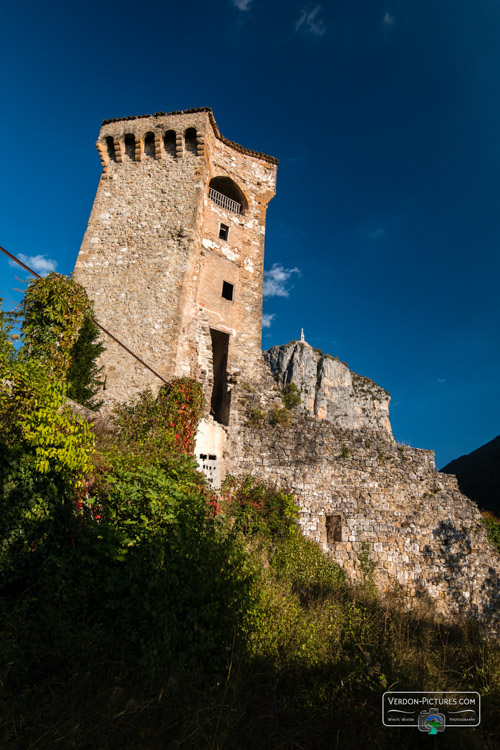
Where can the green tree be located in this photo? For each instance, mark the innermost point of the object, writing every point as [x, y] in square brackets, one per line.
[83, 376]
[53, 311]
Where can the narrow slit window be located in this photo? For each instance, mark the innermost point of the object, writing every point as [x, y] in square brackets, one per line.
[223, 232]
[227, 290]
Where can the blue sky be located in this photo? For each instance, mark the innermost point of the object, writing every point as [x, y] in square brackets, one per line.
[382, 239]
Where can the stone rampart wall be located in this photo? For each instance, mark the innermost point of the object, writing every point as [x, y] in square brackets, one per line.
[361, 493]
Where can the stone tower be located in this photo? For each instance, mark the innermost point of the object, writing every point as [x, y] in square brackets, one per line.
[173, 254]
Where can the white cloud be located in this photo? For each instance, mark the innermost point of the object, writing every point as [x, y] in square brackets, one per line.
[310, 22]
[242, 4]
[388, 19]
[441, 380]
[267, 319]
[276, 280]
[39, 263]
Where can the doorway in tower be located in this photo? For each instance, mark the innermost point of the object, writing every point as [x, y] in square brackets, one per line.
[221, 396]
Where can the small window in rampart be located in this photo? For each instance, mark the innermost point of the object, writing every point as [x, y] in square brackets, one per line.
[223, 232]
[227, 290]
[170, 141]
[130, 146]
[190, 141]
[110, 145]
[149, 145]
[333, 529]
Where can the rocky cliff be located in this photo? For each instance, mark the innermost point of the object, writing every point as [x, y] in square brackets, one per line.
[329, 390]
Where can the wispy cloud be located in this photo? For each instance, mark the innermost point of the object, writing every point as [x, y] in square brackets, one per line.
[376, 233]
[277, 280]
[373, 230]
[310, 22]
[388, 19]
[441, 380]
[242, 4]
[39, 263]
[267, 319]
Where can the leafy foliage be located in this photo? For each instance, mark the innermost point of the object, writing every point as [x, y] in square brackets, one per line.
[53, 310]
[259, 510]
[83, 375]
[279, 415]
[45, 454]
[492, 526]
[34, 422]
[291, 396]
[164, 423]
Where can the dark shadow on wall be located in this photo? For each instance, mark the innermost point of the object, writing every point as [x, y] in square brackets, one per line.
[452, 555]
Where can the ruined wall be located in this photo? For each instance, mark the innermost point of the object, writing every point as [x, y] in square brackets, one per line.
[152, 259]
[360, 492]
[329, 390]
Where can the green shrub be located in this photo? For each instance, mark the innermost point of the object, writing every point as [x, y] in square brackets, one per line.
[256, 416]
[257, 509]
[311, 574]
[492, 526]
[162, 424]
[45, 455]
[291, 396]
[279, 415]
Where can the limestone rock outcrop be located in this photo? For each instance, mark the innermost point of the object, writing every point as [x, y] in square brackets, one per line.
[329, 390]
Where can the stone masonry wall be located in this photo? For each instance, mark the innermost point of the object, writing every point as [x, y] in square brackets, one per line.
[359, 492]
[152, 259]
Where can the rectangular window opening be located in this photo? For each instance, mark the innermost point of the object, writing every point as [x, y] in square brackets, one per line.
[223, 232]
[221, 395]
[333, 529]
[227, 290]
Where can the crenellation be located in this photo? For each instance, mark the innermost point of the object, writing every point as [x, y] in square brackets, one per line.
[158, 146]
[118, 150]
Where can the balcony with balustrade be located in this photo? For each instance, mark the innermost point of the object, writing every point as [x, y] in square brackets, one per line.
[224, 202]
[226, 194]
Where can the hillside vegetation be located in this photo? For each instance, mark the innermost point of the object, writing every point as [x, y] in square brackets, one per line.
[142, 610]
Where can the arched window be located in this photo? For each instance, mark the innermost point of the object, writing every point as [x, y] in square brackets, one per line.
[110, 145]
[169, 141]
[149, 145]
[130, 146]
[190, 141]
[226, 193]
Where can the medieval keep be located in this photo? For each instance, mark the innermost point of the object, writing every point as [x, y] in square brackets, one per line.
[173, 258]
